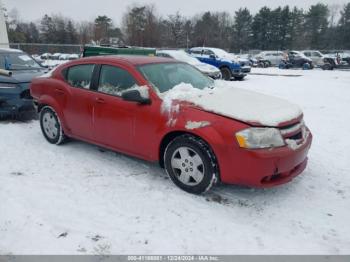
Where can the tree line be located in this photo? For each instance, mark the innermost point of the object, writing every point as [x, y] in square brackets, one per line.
[319, 27]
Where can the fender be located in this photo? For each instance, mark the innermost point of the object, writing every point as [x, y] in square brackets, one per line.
[209, 134]
[48, 100]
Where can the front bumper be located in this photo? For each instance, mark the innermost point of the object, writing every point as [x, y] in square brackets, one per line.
[15, 107]
[246, 69]
[264, 168]
[238, 73]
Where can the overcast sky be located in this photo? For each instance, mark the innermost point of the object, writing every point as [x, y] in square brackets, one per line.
[89, 9]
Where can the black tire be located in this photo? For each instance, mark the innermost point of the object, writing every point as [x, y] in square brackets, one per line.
[239, 78]
[56, 137]
[226, 73]
[196, 148]
[327, 67]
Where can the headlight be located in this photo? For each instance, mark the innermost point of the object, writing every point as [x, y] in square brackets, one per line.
[256, 137]
[7, 86]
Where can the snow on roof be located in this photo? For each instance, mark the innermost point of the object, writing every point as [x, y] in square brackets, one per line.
[10, 50]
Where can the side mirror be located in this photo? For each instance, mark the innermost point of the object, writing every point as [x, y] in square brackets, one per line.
[134, 95]
[213, 57]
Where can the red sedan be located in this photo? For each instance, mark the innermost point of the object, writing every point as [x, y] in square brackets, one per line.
[118, 103]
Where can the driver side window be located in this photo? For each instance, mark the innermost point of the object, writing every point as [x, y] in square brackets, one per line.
[114, 80]
[208, 52]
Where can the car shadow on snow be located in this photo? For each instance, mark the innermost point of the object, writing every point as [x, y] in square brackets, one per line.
[24, 117]
[156, 177]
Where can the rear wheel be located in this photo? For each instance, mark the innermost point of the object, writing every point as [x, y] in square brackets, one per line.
[327, 66]
[191, 164]
[51, 126]
[226, 73]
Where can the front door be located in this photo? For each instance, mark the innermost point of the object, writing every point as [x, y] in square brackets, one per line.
[112, 116]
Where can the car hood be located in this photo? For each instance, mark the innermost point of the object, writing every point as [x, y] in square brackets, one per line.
[206, 68]
[243, 105]
[21, 76]
[230, 58]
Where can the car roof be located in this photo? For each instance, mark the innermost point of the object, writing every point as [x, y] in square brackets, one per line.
[169, 51]
[10, 50]
[271, 51]
[207, 48]
[130, 59]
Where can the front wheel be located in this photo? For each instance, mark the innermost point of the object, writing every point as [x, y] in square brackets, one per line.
[51, 126]
[191, 164]
[226, 73]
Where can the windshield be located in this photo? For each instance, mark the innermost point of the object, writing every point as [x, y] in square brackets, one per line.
[17, 61]
[164, 76]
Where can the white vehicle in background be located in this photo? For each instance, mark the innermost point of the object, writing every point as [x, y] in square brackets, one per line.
[46, 56]
[316, 56]
[272, 57]
[182, 56]
[73, 56]
[56, 56]
[63, 57]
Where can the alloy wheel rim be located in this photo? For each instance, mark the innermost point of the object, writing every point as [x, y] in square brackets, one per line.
[187, 166]
[50, 125]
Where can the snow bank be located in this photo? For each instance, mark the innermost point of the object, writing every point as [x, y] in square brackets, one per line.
[243, 105]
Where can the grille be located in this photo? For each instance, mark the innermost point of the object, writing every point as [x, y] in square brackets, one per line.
[294, 131]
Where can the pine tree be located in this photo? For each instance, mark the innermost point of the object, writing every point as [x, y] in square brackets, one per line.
[296, 29]
[316, 24]
[72, 37]
[262, 29]
[242, 30]
[344, 27]
[48, 30]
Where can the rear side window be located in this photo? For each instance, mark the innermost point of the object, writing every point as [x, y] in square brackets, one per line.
[114, 80]
[163, 55]
[197, 52]
[208, 52]
[80, 76]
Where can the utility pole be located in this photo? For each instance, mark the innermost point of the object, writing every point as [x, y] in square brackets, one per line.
[4, 40]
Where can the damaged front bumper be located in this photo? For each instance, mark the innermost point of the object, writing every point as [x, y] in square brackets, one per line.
[15, 101]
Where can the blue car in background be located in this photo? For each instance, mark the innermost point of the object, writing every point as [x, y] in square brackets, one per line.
[17, 69]
[227, 63]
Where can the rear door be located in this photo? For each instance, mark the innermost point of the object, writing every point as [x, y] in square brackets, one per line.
[79, 105]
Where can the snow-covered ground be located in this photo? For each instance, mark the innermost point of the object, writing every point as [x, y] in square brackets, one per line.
[77, 199]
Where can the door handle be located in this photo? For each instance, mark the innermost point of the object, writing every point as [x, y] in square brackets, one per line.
[59, 91]
[100, 100]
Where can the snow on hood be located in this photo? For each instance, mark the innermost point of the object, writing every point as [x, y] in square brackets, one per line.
[229, 57]
[206, 68]
[236, 103]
